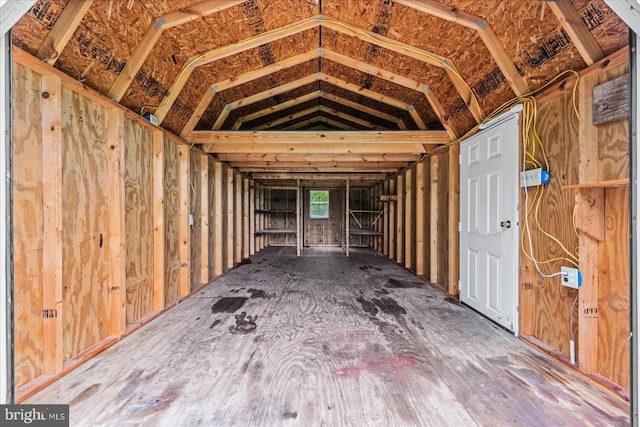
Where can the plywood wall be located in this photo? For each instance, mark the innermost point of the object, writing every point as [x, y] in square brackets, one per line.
[138, 220]
[85, 215]
[545, 305]
[27, 224]
[172, 221]
[97, 184]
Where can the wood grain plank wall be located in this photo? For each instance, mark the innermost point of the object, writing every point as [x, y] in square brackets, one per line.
[101, 204]
[85, 223]
[27, 224]
[138, 154]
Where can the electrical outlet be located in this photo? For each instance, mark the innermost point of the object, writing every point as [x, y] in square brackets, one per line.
[534, 177]
[571, 277]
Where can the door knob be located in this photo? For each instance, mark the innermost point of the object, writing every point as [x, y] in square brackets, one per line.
[505, 224]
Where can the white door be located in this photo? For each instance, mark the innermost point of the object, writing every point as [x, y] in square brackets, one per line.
[489, 222]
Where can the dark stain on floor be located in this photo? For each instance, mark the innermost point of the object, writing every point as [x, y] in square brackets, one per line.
[289, 415]
[367, 306]
[244, 323]
[400, 284]
[258, 293]
[385, 304]
[228, 304]
[215, 323]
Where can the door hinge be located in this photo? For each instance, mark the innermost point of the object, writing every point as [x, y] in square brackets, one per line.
[459, 226]
[459, 159]
[49, 313]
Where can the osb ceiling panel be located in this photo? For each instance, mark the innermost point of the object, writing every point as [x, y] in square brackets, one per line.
[256, 86]
[175, 47]
[110, 31]
[203, 77]
[33, 27]
[385, 87]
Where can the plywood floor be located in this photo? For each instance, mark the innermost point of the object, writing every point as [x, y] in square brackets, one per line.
[337, 342]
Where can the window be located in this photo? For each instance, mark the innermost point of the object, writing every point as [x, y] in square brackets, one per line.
[319, 205]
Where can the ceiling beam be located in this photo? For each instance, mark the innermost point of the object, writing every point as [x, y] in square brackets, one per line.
[324, 177]
[287, 157]
[296, 27]
[384, 138]
[484, 30]
[61, 33]
[579, 34]
[297, 166]
[153, 33]
[313, 147]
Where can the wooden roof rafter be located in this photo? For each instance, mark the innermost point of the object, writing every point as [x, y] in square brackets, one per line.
[319, 20]
[153, 33]
[62, 31]
[322, 95]
[375, 71]
[304, 81]
[484, 30]
[579, 34]
[319, 109]
[217, 87]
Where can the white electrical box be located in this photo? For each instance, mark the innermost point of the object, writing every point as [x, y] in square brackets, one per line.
[571, 277]
[534, 177]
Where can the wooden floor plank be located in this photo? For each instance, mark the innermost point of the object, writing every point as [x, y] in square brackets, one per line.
[336, 341]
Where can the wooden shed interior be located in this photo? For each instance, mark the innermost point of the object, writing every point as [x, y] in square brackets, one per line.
[159, 144]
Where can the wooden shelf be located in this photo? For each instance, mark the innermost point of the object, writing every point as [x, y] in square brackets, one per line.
[269, 211]
[259, 233]
[361, 232]
[599, 184]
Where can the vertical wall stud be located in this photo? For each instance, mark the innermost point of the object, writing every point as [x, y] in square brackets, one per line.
[420, 219]
[158, 221]
[218, 231]
[433, 221]
[185, 220]
[204, 218]
[230, 220]
[52, 223]
[409, 213]
[400, 221]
